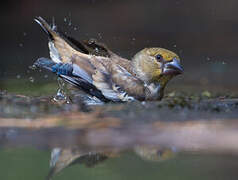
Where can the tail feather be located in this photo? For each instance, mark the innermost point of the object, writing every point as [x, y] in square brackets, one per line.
[50, 31]
[60, 48]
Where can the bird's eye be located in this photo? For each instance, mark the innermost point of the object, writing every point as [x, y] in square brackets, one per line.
[159, 57]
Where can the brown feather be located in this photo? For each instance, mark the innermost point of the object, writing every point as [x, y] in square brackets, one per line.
[128, 83]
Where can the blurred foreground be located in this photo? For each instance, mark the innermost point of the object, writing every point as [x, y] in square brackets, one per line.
[181, 128]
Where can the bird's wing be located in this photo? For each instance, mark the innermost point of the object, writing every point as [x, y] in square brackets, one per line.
[112, 79]
[74, 75]
[98, 69]
[93, 78]
[98, 77]
[126, 82]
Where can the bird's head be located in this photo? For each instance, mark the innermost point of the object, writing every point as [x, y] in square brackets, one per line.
[156, 65]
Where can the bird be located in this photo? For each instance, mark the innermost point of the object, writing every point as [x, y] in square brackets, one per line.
[62, 158]
[93, 68]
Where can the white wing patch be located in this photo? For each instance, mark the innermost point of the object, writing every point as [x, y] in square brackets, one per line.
[54, 54]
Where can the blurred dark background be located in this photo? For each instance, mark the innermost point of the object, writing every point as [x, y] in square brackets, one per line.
[203, 33]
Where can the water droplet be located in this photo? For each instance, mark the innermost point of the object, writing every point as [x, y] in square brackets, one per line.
[21, 45]
[100, 35]
[208, 58]
[223, 62]
[31, 79]
[18, 76]
[75, 28]
[45, 76]
[65, 19]
[24, 33]
[60, 96]
[133, 39]
[33, 67]
[175, 45]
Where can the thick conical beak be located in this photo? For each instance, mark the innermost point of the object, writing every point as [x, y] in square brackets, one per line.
[173, 68]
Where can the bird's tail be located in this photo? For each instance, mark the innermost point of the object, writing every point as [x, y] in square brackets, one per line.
[50, 31]
[88, 47]
[61, 50]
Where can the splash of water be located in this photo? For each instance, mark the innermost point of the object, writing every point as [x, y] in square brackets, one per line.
[61, 95]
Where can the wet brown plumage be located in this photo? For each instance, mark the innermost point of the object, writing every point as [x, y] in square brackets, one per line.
[94, 68]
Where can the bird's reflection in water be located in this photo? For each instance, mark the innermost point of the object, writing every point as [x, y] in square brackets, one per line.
[155, 153]
[62, 158]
